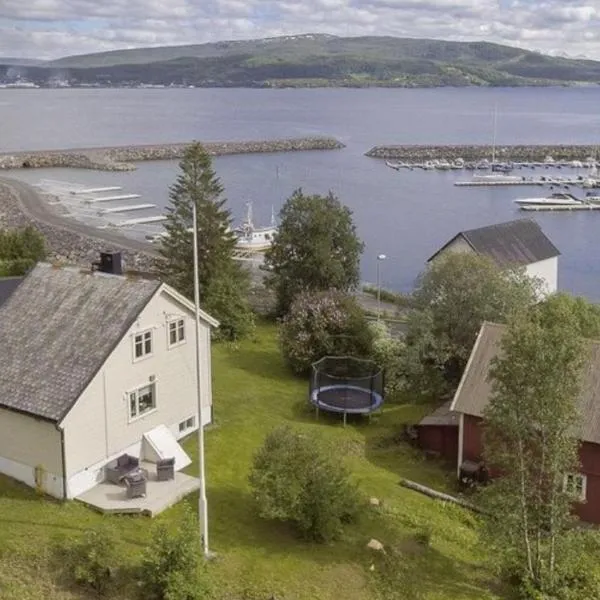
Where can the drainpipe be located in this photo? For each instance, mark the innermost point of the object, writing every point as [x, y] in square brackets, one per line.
[63, 456]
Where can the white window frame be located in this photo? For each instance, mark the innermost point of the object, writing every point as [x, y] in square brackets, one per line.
[570, 486]
[143, 334]
[179, 323]
[183, 425]
[135, 392]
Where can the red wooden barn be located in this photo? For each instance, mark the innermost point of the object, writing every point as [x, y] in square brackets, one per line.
[474, 392]
[437, 433]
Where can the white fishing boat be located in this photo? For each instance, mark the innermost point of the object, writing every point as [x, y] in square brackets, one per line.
[557, 199]
[255, 239]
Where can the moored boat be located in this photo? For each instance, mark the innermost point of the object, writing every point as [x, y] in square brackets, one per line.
[557, 199]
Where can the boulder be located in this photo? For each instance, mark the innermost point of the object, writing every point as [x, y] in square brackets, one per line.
[375, 545]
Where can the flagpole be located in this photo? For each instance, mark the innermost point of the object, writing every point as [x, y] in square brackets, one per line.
[202, 503]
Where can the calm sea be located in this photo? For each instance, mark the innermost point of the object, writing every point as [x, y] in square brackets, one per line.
[405, 215]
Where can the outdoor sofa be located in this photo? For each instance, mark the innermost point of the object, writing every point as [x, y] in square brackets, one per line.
[118, 469]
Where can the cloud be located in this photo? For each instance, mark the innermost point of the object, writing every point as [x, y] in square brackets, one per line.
[54, 28]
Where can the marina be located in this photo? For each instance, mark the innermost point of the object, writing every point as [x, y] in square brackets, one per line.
[559, 207]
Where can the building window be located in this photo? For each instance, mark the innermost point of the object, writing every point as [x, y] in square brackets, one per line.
[187, 424]
[176, 332]
[575, 485]
[142, 401]
[142, 343]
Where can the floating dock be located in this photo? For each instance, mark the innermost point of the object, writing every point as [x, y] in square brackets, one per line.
[540, 207]
[504, 183]
[97, 190]
[142, 221]
[121, 209]
[112, 198]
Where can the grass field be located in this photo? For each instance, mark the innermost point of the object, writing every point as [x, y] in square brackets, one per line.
[253, 393]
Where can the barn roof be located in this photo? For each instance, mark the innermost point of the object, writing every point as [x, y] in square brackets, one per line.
[56, 330]
[441, 416]
[474, 390]
[520, 242]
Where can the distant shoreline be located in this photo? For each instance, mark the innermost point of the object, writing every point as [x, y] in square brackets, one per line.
[122, 158]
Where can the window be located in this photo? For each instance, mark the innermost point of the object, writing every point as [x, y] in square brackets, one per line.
[142, 401]
[187, 424]
[176, 332]
[142, 344]
[575, 485]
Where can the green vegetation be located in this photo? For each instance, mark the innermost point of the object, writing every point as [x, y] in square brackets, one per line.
[325, 60]
[253, 393]
[529, 438]
[223, 282]
[316, 249]
[20, 249]
[397, 298]
[320, 324]
[295, 479]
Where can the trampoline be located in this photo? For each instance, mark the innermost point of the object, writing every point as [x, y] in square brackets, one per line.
[346, 385]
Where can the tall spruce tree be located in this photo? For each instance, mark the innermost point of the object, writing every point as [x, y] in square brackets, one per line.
[315, 249]
[530, 438]
[223, 281]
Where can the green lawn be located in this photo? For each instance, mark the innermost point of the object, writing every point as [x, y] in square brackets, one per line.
[253, 393]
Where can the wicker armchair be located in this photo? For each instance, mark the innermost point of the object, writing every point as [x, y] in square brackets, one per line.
[165, 469]
[136, 485]
[116, 470]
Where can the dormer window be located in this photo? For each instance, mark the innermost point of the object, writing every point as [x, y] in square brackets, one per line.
[176, 332]
[142, 344]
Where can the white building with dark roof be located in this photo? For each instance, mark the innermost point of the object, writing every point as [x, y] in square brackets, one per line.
[94, 366]
[520, 243]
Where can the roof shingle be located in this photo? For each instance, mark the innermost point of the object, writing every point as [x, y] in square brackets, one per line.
[56, 330]
[517, 243]
[475, 388]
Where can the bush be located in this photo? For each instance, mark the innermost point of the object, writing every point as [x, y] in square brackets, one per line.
[295, 479]
[320, 324]
[388, 353]
[91, 560]
[171, 565]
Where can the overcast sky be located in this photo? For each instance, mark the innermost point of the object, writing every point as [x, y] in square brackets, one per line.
[54, 28]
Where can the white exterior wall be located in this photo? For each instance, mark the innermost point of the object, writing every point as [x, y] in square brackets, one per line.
[98, 428]
[27, 443]
[547, 271]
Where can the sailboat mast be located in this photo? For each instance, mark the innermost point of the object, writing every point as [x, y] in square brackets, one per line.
[495, 121]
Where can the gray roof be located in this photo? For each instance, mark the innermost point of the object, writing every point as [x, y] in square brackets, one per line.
[57, 329]
[441, 416]
[475, 388]
[517, 243]
[7, 286]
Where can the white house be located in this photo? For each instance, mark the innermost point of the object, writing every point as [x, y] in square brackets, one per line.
[94, 365]
[520, 243]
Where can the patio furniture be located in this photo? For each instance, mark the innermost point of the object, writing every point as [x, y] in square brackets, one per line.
[136, 484]
[116, 470]
[165, 469]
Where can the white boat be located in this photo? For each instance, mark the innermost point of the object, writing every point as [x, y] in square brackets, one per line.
[498, 178]
[558, 199]
[255, 239]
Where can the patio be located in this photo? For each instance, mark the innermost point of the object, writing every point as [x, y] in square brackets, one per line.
[110, 498]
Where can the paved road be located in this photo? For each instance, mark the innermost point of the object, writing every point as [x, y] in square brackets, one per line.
[34, 206]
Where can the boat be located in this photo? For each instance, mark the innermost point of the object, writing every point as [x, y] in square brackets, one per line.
[255, 239]
[557, 199]
[498, 178]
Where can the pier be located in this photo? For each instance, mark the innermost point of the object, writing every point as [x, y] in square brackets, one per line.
[142, 221]
[112, 198]
[483, 183]
[122, 209]
[97, 190]
[539, 207]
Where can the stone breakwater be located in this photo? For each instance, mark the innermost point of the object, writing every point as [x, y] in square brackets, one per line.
[122, 158]
[523, 153]
[66, 245]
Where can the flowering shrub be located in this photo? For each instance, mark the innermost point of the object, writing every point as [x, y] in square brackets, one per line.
[320, 324]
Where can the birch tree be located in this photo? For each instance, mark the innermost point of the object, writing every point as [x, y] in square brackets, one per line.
[530, 440]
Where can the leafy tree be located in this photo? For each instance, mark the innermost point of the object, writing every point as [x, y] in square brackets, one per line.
[320, 324]
[295, 478]
[529, 425]
[171, 566]
[20, 249]
[453, 297]
[223, 281]
[586, 314]
[316, 249]
[388, 353]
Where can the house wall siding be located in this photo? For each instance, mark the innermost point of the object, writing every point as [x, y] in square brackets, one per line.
[98, 427]
[472, 438]
[27, 443]
[458, 245]
[547, 271]
[440, 438]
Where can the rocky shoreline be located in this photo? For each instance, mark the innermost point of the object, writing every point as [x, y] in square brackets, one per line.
[122, 158]
[65, 245]
[518, 153]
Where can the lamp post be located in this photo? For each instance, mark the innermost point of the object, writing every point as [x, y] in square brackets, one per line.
[202, 503]
[380, 258]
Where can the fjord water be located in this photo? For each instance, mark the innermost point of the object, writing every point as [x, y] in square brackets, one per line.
[406, 215]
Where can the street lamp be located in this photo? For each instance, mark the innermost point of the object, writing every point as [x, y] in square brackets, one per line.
[380, 257]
